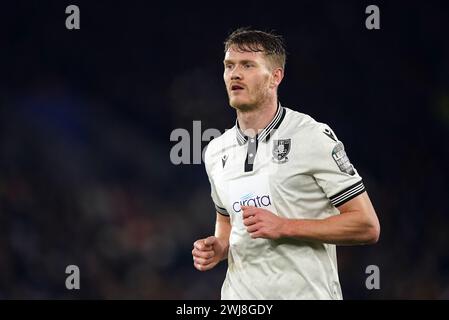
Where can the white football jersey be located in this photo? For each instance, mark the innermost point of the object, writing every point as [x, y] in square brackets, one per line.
[298, 169]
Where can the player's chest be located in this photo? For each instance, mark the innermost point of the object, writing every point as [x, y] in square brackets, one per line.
[274, 158]
[275, 168]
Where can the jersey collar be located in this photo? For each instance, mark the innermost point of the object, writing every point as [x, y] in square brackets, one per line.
[265, 134]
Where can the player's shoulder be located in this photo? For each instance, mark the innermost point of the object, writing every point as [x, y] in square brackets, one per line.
[304, 125]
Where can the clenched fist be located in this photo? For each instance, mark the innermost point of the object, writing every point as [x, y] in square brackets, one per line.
[208, 252]
[261, 223]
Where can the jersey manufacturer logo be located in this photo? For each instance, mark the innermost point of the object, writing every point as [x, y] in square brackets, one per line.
[329, 133]
[281, 148]
[224, 158]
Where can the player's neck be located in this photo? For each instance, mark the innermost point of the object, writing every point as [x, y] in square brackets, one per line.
[253, 121]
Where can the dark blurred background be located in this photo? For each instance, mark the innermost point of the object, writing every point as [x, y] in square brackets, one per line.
[86, 117]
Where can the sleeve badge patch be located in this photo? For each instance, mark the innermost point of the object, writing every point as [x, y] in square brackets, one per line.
[342, 160]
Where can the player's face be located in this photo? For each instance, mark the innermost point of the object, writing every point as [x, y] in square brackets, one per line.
[247, 76]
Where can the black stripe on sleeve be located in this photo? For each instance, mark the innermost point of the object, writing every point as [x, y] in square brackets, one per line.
[222, 211]
[347, 194]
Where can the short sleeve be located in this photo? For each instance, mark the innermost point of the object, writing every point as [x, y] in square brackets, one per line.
[331, 168]
[219, 207]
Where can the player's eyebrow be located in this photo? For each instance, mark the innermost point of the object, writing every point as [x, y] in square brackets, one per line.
[225, 61]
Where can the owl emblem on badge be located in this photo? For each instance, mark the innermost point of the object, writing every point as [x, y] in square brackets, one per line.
[281, 148]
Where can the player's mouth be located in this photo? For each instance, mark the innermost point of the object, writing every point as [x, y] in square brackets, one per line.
[235, 88]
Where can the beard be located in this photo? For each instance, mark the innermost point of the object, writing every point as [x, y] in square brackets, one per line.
[243, 106]
[255, 100]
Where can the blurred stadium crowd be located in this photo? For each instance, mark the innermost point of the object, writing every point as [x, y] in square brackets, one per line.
[86, 116]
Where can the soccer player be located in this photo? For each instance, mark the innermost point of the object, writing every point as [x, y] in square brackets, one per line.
[284, 189]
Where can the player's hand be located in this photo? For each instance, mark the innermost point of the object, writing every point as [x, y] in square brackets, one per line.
[207, 253]
[261, 223]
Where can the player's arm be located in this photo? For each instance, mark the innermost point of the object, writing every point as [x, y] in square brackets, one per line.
[208, 252]
[223, 231]
[357, 223]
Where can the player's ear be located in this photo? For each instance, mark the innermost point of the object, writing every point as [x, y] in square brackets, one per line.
[277, 76]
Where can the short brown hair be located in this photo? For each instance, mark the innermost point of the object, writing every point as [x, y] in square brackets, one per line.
[247, 40]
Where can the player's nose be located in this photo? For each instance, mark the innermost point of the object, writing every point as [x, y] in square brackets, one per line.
[236, 74]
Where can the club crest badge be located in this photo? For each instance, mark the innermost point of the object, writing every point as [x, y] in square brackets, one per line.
[281, 148]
